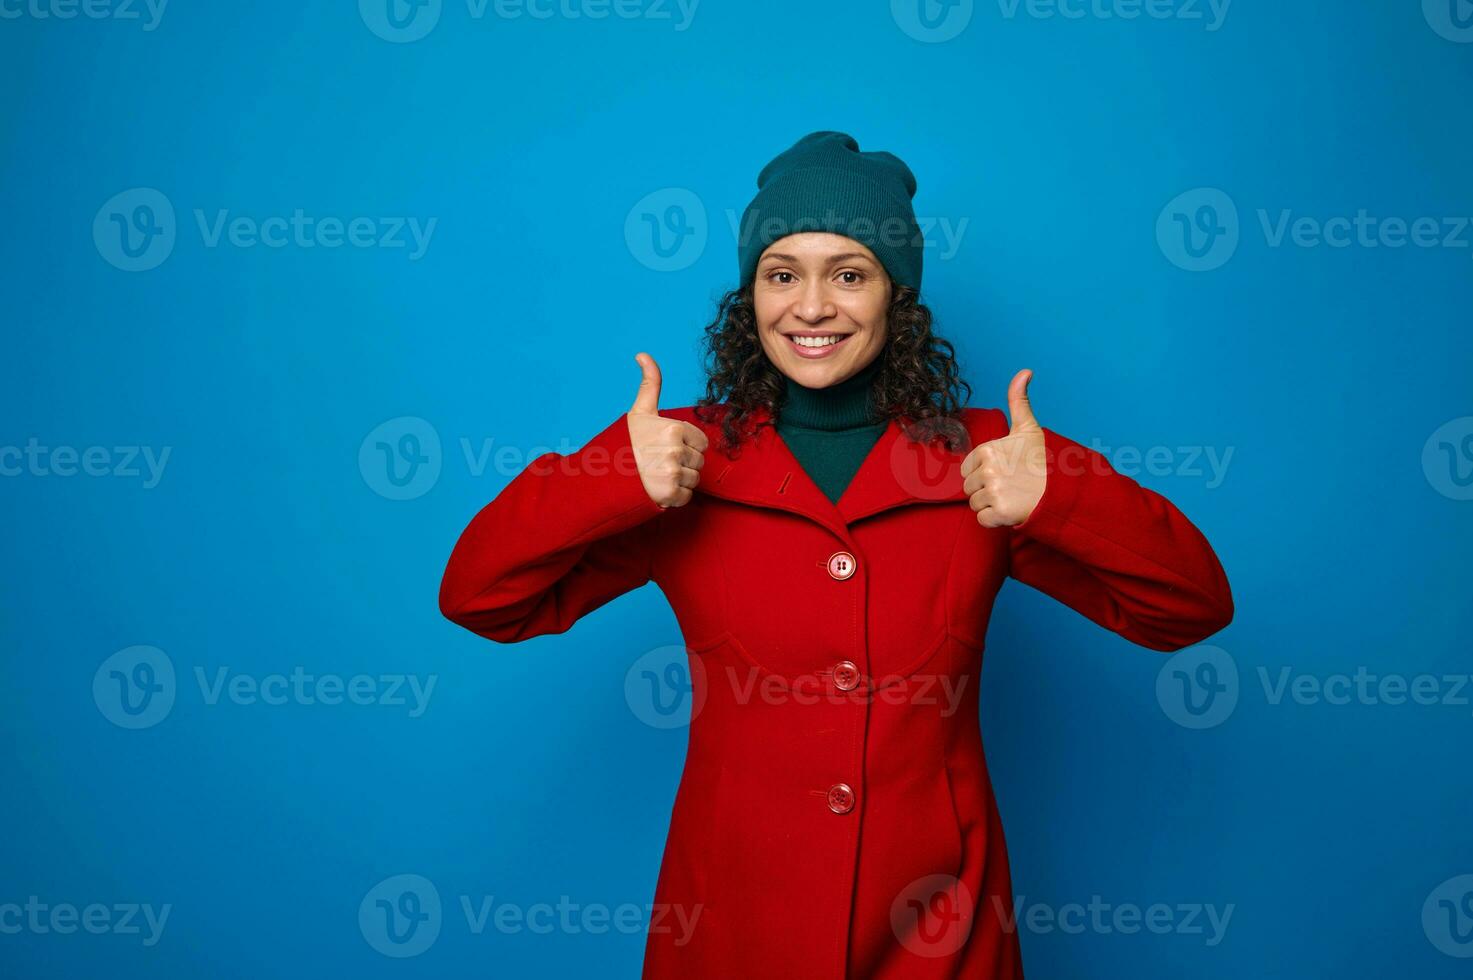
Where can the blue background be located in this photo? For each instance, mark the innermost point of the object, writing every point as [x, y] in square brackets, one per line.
[533, 142]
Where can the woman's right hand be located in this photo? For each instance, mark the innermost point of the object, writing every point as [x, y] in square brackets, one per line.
[669, 452]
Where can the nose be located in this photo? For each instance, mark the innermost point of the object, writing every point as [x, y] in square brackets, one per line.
[812, 304]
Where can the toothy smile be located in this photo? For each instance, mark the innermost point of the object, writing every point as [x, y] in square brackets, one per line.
[816, 345]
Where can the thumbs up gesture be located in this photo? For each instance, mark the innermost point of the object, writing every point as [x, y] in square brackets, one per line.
[1004, 478]
[668, 452]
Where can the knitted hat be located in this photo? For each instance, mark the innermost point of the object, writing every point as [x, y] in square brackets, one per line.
[824, 183]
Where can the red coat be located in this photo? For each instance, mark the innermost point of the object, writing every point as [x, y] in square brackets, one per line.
[835, 818]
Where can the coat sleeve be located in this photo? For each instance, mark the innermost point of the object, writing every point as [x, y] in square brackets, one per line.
[566, 535]
[1118, 553]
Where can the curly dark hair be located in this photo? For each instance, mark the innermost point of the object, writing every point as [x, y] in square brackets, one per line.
[918, 382]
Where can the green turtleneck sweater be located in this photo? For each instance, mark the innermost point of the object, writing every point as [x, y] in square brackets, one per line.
[831, 430]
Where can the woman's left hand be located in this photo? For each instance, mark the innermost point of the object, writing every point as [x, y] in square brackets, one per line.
[1004, 478]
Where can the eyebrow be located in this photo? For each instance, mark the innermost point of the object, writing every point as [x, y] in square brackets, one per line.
[846, 257]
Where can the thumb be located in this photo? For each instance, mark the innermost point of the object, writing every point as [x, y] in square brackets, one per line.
[647, 401]
[1018, 405]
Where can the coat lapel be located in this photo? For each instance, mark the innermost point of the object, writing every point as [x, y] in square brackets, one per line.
[896, 472]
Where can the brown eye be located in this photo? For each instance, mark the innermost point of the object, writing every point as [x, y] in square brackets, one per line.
[858, 277]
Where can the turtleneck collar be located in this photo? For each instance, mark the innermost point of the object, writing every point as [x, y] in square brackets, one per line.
[846, 405]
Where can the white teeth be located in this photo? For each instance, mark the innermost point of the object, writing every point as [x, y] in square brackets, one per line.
[816, 341]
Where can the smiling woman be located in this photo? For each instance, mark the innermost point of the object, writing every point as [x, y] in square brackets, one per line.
[831, 527]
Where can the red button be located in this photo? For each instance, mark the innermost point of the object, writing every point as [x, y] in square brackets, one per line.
[846, 675]
[841, 798]
[842, 565]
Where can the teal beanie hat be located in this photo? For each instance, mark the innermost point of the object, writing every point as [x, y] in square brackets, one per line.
[824, 183]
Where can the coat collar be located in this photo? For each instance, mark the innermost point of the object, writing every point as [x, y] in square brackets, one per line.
[897, 471]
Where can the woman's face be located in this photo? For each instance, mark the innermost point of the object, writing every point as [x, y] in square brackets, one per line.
[821, 301]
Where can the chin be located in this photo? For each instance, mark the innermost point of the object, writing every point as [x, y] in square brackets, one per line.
[818, 375]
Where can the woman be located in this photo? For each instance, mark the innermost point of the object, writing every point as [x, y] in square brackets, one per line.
[831, 526]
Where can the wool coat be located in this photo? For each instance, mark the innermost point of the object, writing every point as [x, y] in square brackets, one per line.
[835, 817]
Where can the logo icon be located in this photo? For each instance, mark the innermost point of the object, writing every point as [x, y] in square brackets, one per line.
[1198, 687]
[928, 471]
[666, 230]
[932, 21]
[1447, 459]
[932, 916]
[400, 916]
[135, 230]
[1451, 19]
[662, 684]
[400, 21]
[134, 688]
[400, 459]
[1198, 230]
[1447, 917]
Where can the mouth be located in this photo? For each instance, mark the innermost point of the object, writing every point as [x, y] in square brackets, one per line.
[815, 345]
